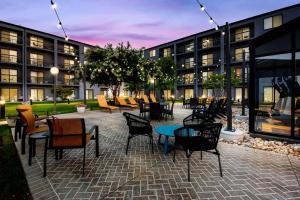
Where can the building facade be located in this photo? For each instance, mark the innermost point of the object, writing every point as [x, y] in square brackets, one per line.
[202, 54]
[26, 56]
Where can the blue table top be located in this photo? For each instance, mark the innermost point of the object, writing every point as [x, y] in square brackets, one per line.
[167, 130]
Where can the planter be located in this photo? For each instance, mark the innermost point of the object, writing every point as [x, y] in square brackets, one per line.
[11, 121]
[81, 109]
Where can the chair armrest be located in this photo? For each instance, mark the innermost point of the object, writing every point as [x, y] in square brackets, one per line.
[95, 129]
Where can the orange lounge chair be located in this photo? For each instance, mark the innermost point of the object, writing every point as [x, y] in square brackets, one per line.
[132, 101]
[123, 103]
[146, 100]
[153, 99]
[103, 104]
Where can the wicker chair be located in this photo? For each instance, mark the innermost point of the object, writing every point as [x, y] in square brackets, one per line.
[138, 126]
[169, 111]
[144, 109]
[201, 138]
[193, 103]
[69, 134]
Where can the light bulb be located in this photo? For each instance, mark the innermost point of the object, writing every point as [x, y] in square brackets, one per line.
[217, 28]
[59, 25]
[53, 5]
[202, 7]
[66, 38]
[211, 20]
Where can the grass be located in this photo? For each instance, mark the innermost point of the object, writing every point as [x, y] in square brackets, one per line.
[13, 183]
[44, 107]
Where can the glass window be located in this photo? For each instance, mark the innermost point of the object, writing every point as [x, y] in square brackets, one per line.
[205, 75]
[167, 94]
[297, 96]
[189, 78]
[273, 84]
[167, 52]
[207, 42]
[37, 94]
[69, 79]
[68, 63]
[9, 36]
[207, 59]
[36, 59]
[153, 53]
[69, 49]
[188, 93]
[37, 77]
[89, 93]
[242, 34]
[36, 42]
[272, 22]
[8, 55]
[9, 94]
[9, 76]
[189, 47]
[239, 54]
[188, 63]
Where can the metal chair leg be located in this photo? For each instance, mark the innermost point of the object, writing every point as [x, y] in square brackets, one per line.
[83, 164]
[220, 166]
[201, 155]
[189, 176]
[174, 155]
[30, 152]
[56, 154]
[61, 151]
[128, 139]
[97, 141]
[45, 157]
[23, 141]
[152, 145]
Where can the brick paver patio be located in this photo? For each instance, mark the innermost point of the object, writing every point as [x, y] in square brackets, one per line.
[247, 173]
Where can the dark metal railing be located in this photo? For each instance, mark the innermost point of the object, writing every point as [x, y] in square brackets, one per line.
[36, 80]
[185, 49]
[10, 58]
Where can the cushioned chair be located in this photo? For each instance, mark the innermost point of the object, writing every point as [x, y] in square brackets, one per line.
[153, 99]
[103, 104]
[31, 126]
[201, 138]
[121, 102]
[70, 134]
[138, 126]
[146, 100]
[132, 101]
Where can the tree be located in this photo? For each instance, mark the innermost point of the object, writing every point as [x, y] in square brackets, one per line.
[165, 73]
[64, 92]
[217, 82]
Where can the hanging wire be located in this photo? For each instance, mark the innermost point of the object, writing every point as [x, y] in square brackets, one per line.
[211, 20]
[59, 25]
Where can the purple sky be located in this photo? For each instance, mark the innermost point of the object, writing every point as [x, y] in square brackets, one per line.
[144, 23]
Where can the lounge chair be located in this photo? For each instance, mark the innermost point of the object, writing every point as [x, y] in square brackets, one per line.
[123, 103]
[103, 104]
[132, 101]
[153, 99]
[146, 100]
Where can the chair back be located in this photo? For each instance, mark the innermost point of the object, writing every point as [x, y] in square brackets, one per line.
[201, 138]
[28, 118]
[67, 132]
[132, 101]
[23, 107]
[102, 101]
[155, 110]
[193, 102]
[137, 125]
[172, 105]
[153, 99]
[146, 100]
[121, 101]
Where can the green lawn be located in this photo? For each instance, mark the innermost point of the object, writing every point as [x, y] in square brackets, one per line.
[44, 107]
[13, 183]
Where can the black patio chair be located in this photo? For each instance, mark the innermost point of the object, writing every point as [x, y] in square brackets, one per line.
[155, 111]
[194, 103]
[143, 109]
[197, 118]
[138, 126]
[201, 138]
[169, 111]
[185, 103]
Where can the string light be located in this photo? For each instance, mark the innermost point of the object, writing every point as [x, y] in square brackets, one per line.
[59, 25]
[211, 20]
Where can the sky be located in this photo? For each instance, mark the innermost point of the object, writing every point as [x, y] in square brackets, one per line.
[144, 23]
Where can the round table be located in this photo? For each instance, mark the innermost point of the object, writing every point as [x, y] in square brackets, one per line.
[167, 131]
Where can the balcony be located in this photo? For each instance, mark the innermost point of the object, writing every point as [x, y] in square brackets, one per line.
[238, 57]
[241, 36]
[37, 80]
[67, 52]
[186, 65]
[13, 59]
[38, 63]
[189, 48]
[209, 62]
[41, 46]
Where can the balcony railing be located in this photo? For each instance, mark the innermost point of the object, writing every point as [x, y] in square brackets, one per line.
[185, 49]
[186, 81]
[10, 58]
[187, 65]
[10, 38]
[37, 80]
[41, 45]
[69, 52]
[38, 62]
[209, 61]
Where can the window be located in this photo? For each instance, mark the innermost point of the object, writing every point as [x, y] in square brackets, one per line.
[8, 36]
[167, 52]
[153, 53]
[188, 63]
[238, 72]
[36, 42]
[205, 75]
[188, 93]
[89, 93]
[207, 42]
[69, 79]
[242, 34]
[238, 94]
[85, 49]
[8, 55]
[37, 94]
[9, 94]
[189, 47]
[36, 59]
[188, 78]
[68, 63]
[167, 94]
[207, 93]
[69, 49]
[37, 77]
[239, 54]
[9, 76]
[272, 22]
[207, 59]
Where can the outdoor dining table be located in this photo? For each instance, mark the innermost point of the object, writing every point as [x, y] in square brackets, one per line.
[167, 131]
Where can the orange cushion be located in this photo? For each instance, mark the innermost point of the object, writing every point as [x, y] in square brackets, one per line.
[70, 141]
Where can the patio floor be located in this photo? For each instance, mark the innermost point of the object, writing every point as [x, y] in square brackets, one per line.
[247, 173]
